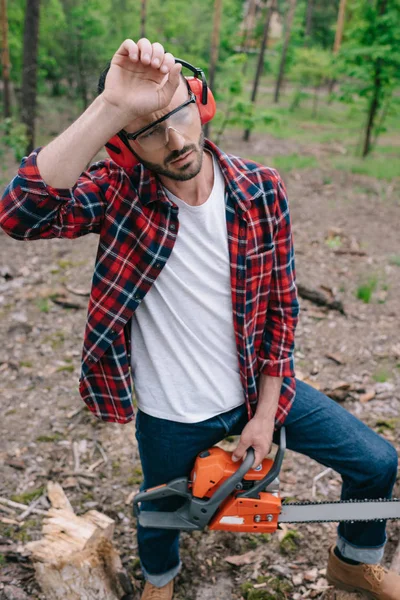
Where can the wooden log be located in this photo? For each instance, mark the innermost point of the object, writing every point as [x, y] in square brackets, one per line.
[395, 564]
[75, 558]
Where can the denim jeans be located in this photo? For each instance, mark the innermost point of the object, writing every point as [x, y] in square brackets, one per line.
[316, 426]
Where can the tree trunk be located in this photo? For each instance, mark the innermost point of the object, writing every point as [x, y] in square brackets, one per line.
[338, 37]
[29, 70]
[339, 27]
[214, 51]
[76, 558]
[289, 22]
[82, 73]
[5, 60]
[260, 64]
[376, 99]
[143, 19]
[309, 13]
[248, 28]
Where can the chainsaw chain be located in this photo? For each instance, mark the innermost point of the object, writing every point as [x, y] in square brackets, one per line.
[309, 503]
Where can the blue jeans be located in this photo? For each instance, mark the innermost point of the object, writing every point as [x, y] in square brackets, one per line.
[316, 426]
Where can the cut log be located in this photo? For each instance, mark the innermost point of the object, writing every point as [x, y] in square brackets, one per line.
[395, 564]
[75, 558]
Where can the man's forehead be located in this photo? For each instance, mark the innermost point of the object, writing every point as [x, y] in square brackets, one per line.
[180, 96]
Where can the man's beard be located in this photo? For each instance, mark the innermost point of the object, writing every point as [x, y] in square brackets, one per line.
[185, 171]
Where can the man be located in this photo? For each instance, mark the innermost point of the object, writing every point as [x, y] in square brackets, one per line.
[201, 309]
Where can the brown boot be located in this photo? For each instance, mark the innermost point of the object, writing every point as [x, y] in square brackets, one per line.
[375, 581]
[151, 592]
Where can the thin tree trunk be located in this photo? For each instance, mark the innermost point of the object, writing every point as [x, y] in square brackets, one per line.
[29, 70]
[289, 22]
[260, 64]
[82, 74]
[5, 60]
[248, 30]
[309, 14]
[338, 36]
[214, 51]
[143, 19]
[339, 27]
[377, 93]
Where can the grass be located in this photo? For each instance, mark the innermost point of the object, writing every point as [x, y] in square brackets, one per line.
[365, 290]
[43, 304]
[289, 542]
[373, 166]
[27, 497]
[381, 375]
[292, 162]
[395, 260]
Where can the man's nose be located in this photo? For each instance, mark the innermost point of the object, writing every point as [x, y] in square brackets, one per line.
[176, 141]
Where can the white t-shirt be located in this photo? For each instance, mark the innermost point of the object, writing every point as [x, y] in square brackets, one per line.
[184, 357]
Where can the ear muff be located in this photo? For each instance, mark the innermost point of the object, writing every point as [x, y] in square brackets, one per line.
[119, 149]
[208, 110]
[119, 152]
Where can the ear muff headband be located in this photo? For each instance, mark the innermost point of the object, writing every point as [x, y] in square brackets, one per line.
[118, 147]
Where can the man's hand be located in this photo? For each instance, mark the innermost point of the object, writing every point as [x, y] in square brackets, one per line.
[258, 434]
[142, 79]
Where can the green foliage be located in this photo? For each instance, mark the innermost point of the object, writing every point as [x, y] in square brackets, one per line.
[369, 58]
[273, 588]
[289, 542]
[27, 497]
[395, 260]
[294, 162]
[365, 291]
[13, 135]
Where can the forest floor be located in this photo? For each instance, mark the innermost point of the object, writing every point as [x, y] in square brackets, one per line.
[346, 235]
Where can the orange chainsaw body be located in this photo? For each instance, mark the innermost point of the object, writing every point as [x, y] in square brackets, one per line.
[260, 515]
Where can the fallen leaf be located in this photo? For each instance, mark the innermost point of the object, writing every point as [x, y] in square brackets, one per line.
[243, 559]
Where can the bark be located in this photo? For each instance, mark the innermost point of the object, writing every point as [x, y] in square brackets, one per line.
[214, 50]
[82, 74]
[76, 558]
[260, 64]
[248, 28]
[143, 19]
[338, 37]
[289, 22]
[5, 60]
[376, 99]
[309, 13]
[339, 26]
[29, 70]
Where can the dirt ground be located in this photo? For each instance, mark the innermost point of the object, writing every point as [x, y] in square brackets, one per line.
[345, 231]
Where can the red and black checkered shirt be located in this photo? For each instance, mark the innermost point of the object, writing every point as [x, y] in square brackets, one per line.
[137, 226]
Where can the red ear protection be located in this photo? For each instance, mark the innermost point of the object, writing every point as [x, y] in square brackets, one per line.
[118, 146]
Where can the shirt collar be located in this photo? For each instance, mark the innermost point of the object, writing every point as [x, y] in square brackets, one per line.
[240, 187]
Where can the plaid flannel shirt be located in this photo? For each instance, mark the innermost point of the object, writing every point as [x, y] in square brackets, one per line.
[138, 226]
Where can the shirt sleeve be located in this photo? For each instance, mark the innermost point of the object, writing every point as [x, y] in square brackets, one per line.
[276, 355]
[30, 209]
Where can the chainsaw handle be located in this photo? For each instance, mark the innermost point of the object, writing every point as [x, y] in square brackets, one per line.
[272, 473]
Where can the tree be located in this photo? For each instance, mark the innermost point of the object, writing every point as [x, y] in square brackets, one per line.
[288, 28]
[5, 60]
[309, 16]
[371, 61]
[214, 50]
[260, 64]
[29, 70]
[143, 19]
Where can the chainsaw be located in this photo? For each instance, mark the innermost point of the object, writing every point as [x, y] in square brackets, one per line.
[223, 496]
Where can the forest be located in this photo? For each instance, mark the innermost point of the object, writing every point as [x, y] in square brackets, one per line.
[310, 88]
